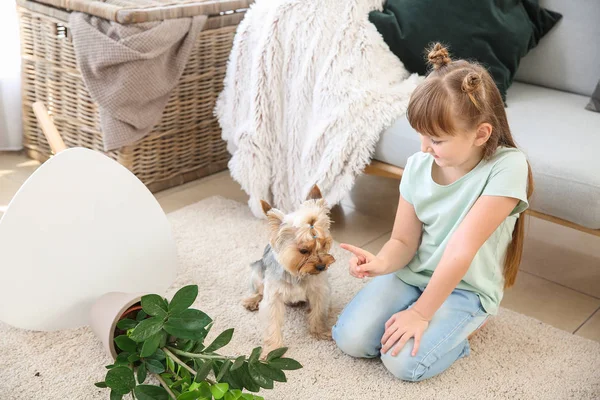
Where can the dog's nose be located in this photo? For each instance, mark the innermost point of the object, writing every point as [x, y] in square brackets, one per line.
[320, 267]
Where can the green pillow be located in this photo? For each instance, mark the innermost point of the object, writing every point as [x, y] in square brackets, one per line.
[496, 33]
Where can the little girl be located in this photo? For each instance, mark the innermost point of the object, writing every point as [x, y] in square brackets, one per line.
[457, 238]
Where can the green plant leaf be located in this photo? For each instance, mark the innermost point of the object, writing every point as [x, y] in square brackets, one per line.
[167, 378]
[141, 315]
[255, 397]
[120, 380]
[187, 377]
[233, 394]
[133, 358]
[158, 355]
[238, 363]
[199, 346]
[154, 305]
[259, 378]
[150, 392]
[277, 353]
[222, 340]
[126, 324]
[101, 385]
[151, 344]
[122, 358]
[154, 366]
[202, 370]
[285, 363]
[177, 384]
[223, 370]
[184, 298]
[270, 372]
[189, 345]
[142, 373]
[170, 364]
[219, 389]
[255, 354]
[204, 390]
[247, 396]
[163, 340]
[126, 344]
[189, 324]
[201, 336]
[232, 381]
[189, 395]
[243, 376]
[115, 395]
[147, 328]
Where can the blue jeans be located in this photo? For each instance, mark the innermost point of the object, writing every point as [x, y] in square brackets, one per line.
[361, 325]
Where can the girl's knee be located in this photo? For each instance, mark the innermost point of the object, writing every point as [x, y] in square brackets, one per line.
[404, 366]
[353, 342]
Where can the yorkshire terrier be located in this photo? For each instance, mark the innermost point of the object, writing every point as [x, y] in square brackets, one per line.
[292, 269]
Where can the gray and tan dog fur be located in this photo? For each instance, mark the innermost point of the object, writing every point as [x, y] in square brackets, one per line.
[293, 269]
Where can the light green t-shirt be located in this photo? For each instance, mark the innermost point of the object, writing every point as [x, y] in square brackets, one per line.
[441, 209]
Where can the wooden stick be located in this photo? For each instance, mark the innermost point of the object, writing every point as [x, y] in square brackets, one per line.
[56, 143]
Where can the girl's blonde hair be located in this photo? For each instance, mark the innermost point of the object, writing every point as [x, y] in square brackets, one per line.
[464, 91]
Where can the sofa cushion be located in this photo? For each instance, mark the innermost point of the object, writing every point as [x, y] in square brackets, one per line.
[495, 33]
[594, 104]
[561, 140]
[568, 58]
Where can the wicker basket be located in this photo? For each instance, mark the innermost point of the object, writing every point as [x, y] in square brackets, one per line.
[186, 144]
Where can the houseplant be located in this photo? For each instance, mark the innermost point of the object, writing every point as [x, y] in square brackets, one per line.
[162, 356]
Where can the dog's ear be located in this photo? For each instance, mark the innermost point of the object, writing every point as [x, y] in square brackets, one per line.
[265, 206]
[315, 193]
[274, 216]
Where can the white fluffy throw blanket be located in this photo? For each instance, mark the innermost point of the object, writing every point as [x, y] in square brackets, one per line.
[310, 85]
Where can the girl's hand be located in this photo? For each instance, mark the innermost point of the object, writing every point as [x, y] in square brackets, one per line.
[400, 328]
[364, 264]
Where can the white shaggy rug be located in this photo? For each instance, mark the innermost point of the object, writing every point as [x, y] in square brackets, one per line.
[514, 356]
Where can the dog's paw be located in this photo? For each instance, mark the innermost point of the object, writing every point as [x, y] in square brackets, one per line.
[267, 348]
[251, 303]
[265, 353]
[321, 334]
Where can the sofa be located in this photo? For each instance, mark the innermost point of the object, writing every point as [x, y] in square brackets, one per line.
[547, 115]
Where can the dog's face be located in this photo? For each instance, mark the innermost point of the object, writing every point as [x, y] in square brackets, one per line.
[302, 239]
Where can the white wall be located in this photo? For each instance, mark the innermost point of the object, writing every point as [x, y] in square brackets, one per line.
[10, 78]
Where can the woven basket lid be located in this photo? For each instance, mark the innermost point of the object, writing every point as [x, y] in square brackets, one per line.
[135, 11]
